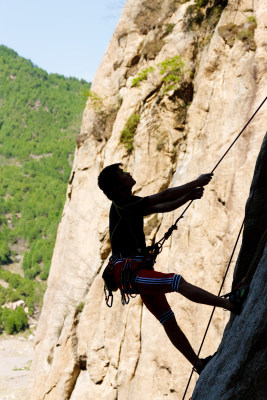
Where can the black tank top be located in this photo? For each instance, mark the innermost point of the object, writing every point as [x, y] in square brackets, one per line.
[126, 226]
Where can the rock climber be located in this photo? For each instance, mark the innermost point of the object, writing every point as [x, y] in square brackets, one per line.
[130, 267]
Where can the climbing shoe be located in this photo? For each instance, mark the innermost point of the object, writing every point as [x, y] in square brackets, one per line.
[237, 298]
[204, 362]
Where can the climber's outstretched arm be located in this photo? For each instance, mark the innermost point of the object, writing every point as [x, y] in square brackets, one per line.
[167, 206]
[178, 192]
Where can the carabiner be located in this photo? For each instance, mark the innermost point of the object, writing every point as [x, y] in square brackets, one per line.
[107, 297]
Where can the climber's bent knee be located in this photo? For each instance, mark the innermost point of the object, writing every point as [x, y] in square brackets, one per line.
[166, 316]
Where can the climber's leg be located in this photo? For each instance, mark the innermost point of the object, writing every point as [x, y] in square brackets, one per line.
[199, 295]
[150, 281]
[179, 340]
[158, 305]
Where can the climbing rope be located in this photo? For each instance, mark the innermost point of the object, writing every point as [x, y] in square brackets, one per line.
[211, 316]
[157, 247]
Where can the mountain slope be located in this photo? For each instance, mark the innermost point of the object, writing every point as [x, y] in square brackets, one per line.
[40, 116]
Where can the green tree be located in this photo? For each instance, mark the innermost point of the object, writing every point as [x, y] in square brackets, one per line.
[14, 321]
[4, 251]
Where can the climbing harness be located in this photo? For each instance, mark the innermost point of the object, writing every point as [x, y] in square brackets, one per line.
[126, 282]
[128, 268]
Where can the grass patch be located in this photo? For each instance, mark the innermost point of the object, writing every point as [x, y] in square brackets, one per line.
[80, 307]
[204, 13]
[201, 3]
[173, 70]
[94, 101]
[243, 32]
[142, 76]
[252, 19]
[169, 28]
[128, 133]
[27, 367]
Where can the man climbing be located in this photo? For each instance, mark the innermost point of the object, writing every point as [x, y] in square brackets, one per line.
[130, 268]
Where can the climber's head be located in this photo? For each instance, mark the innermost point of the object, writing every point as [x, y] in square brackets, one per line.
[115, 182]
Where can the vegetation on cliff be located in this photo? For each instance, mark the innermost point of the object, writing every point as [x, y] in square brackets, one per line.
[40, 117]
[128, 132]
[204, 14]
[172, 70]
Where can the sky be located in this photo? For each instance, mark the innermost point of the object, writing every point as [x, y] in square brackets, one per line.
[67, 37]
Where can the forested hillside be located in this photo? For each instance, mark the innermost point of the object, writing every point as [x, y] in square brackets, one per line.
[40, 117]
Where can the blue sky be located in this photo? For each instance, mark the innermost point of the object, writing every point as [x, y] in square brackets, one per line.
[67, 37]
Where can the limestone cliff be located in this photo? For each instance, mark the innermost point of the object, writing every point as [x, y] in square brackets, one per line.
[176, 84]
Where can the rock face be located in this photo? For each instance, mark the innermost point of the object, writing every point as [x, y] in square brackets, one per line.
[189, 78]
[239, 370]
[255, 221]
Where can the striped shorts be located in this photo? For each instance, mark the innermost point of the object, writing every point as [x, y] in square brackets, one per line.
[152, 286]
